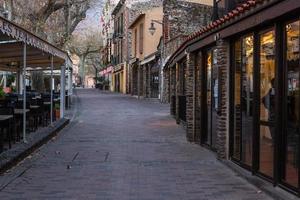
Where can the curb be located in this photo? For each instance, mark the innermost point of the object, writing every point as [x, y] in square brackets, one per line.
[12, 157]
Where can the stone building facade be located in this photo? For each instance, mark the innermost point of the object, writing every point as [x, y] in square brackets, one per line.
[144, 66]
[107, 30]
[225, 83]
[180, 19]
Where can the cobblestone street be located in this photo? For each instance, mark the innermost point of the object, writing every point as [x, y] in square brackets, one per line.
[119, 148]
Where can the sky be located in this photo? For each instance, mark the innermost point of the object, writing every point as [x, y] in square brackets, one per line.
[93, 17]
[94, 13]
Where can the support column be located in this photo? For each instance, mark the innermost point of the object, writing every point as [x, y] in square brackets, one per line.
[173, 90]
[177, 92]
[62, 91]
[144, 71]
[197, 97]
[140, 81]
[24, 91]
[190, 86]
[223, 117]
[166, 91]
[51, 92]
[149, 91]
[131, 80]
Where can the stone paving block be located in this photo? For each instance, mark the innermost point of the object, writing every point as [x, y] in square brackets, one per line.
[119, 148]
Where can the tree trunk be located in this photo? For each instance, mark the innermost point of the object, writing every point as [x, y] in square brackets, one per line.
[82, 69]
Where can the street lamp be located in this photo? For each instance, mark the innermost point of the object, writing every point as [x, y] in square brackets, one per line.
[152, 30]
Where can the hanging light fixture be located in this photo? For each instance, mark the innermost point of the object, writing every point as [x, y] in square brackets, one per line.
[152, 29]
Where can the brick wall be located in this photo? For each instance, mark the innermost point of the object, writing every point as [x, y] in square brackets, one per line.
[177, 91]
[190, 114]
[197, 96]
[195, 75]
[222, 118]
[166, 94]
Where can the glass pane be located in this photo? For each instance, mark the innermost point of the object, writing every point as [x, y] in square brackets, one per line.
[237, 102]
[247, 99]
[215, 98]
[208, 88]
[292, 105]
[267, 101]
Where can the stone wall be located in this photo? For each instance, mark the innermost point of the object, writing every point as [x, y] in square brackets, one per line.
[222, 118]
[167, 85]
[190, 114]
[182, 18]
[194, 91]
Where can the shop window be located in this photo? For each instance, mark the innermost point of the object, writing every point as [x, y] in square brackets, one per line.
[267, 102]
[292, 104]
[208, 97]
[243, 100]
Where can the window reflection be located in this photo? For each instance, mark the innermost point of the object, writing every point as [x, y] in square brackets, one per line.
[237, 101]
[243, 100]
[267, 101]
[292, 104]
[247, 99]
[215, 97]
[208, 94]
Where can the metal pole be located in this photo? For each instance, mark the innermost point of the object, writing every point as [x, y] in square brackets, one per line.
[24, 93]
[62, 91]
[161, 74]
[69, 85]
[51, 92]
[4, 79]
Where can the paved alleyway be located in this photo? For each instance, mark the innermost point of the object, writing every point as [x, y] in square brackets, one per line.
[120, 148]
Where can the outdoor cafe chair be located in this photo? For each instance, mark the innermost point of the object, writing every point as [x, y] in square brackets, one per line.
[29, 115]
[7, 125]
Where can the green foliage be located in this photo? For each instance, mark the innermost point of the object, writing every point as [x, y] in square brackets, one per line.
[2, 93]
[10, 79]
[101, 80]
[56, 106]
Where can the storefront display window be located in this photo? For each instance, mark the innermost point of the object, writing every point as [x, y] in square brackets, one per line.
[208, 95]
[243, 100]
[267, 102]
[292, 104]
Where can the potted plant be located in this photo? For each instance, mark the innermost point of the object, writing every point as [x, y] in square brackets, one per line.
[57, 110]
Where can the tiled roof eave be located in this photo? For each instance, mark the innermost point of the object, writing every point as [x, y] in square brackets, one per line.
[209, 29]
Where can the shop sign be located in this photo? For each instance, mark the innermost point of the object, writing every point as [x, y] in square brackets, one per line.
[106, 71]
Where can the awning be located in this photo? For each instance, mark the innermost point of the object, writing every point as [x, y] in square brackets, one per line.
[149, 59]
[39, 52]
[22, 51]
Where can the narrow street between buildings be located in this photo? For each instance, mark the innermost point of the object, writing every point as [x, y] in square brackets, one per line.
[119, 148]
